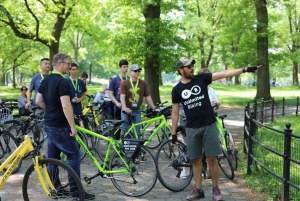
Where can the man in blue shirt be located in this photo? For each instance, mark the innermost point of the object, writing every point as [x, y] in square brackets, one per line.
[114, 88]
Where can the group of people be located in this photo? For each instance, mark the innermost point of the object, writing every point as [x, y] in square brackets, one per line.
[61, 98]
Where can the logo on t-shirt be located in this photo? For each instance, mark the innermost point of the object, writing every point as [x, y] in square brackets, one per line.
[195, 90]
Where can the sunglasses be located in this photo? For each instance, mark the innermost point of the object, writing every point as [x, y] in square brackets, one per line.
[137, 71]
[189, 66]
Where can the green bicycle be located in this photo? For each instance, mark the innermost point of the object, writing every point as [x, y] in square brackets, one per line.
[154, 131]
[130, 178]
[227, 140]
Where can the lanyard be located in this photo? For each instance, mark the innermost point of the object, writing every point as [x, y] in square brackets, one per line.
[121, 78]
[55, 72]
[75, 86]
[135, 89]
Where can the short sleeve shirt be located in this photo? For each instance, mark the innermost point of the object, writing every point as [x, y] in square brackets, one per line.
[52, 88]
[114, 86]
[126, 88]
[195, 101]
[78, 92]
[35, 84]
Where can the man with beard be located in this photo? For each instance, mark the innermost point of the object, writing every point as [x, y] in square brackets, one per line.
[201, 132]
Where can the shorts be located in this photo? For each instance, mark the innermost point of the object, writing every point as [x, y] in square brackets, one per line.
[206, 138]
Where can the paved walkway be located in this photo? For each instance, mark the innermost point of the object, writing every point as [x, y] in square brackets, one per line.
[105, 190]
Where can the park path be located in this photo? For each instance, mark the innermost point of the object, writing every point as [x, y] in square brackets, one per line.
[232, 190]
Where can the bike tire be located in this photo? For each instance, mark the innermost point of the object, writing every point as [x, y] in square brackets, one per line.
[88, 125]
[8, 144]
[140, 180]
[225, 164]
[231, 150]
[102, 145]
[171, 160]
[33, 191]
[162, 135]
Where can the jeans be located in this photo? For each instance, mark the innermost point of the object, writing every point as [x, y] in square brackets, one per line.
[136, 118]
[59, 140]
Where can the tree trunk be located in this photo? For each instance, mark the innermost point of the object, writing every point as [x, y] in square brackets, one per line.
[295, 73]
[263, 78]
[152, 70]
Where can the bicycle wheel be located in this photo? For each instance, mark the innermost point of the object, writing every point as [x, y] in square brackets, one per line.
[62, 176]
[8, 144]
[88, 125]
[231, 151]
[102, 145]
[161, 135]
[142, 177]
[225, 164]
[174, 168]
[82, 152]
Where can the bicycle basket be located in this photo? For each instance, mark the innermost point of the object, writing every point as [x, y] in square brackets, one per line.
[5, 114]
[131, 147]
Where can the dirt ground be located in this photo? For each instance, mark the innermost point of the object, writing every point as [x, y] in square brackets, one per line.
[243, 190]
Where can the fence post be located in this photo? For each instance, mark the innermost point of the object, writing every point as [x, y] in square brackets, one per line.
[273, 108]
[283, 104]
[250, 142]
[246, 111]
[297, 107]
[262, 110]
[286, 166]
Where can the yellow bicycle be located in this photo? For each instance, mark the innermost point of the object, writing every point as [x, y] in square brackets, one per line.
[46, 178]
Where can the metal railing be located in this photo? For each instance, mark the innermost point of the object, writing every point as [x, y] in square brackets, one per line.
[275, 151]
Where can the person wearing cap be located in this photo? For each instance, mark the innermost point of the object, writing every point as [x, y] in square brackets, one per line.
[132, 92]
[22, 100]
[201, 132]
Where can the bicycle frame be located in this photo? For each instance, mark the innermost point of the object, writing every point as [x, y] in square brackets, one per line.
[147, 123]
[112, 143]
[222, 131]
[17, 156]
[87, 110]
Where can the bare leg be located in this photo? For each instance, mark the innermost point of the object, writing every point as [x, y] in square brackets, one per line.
[213, 169]
[197, 169]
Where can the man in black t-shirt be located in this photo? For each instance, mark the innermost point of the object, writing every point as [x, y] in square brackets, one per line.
[201, 132]
[59, 125]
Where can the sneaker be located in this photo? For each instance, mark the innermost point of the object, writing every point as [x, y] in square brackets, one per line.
[183, 174]
[195, 195]
[217, 195]
[137, 160]
[87, 196]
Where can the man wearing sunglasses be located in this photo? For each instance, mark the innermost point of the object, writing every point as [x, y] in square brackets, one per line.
[132, 92]
[201, 132]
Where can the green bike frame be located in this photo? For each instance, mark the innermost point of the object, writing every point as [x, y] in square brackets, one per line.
[112, 144]
[163, 124]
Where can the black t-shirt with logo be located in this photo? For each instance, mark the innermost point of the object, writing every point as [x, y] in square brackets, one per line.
[195, 100]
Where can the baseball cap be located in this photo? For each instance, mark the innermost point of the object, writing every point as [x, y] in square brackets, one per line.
[134, 67]
[183, 61]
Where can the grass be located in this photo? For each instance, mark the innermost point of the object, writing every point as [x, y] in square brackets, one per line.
[262, 181]
[228, 95]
